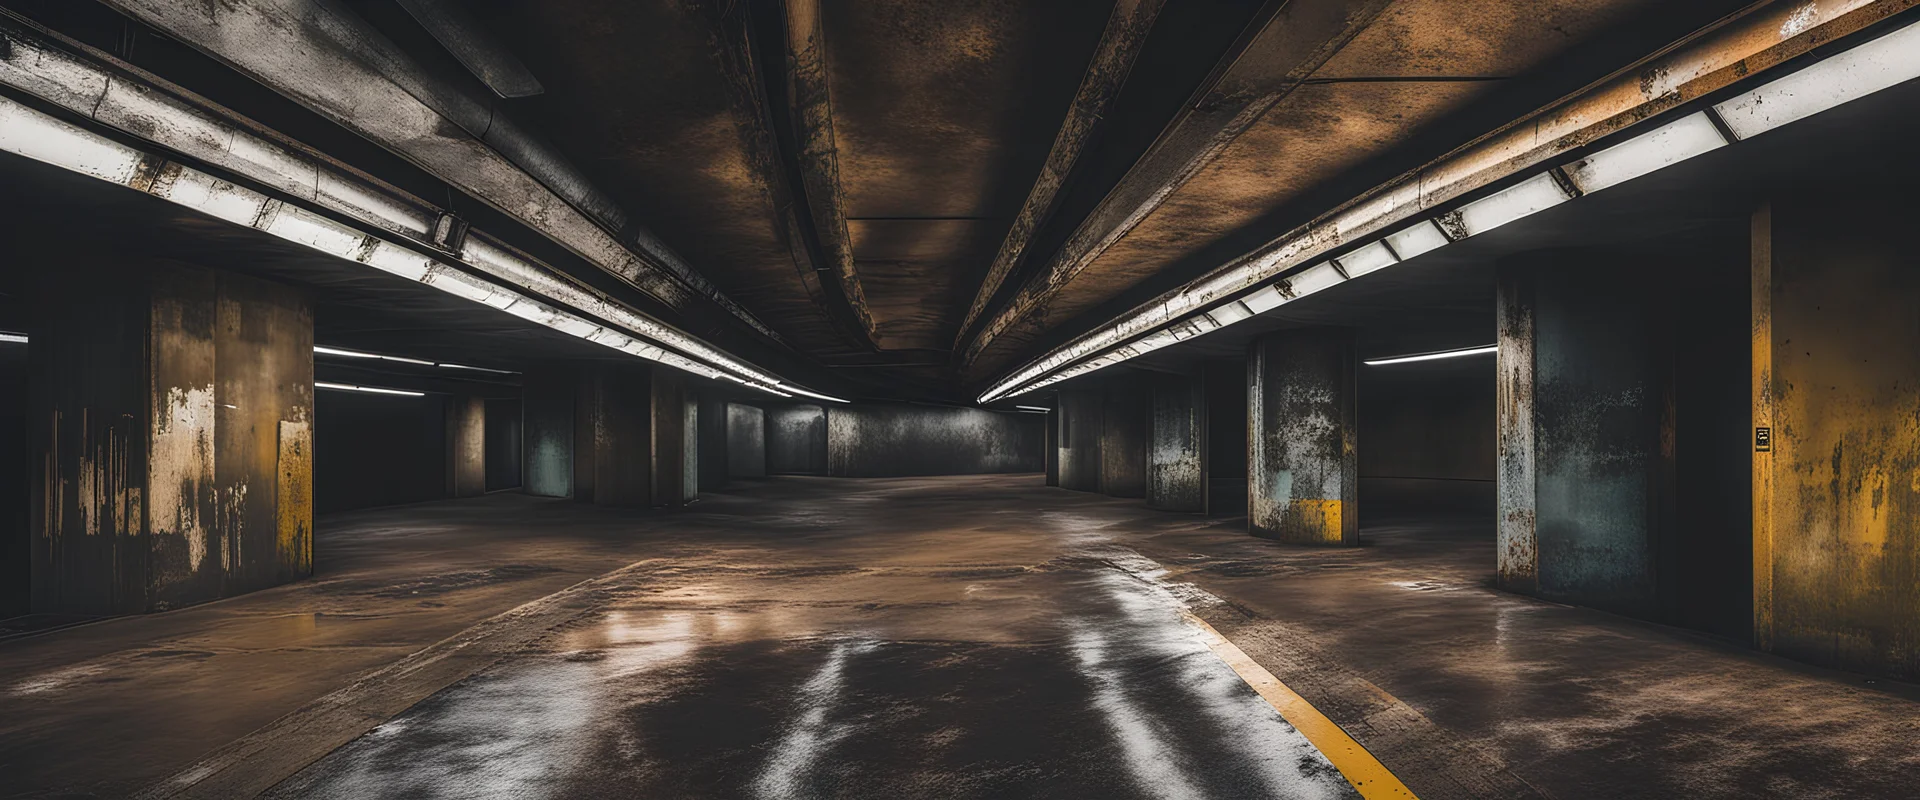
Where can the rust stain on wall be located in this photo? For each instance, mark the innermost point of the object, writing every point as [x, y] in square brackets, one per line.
[294, 498]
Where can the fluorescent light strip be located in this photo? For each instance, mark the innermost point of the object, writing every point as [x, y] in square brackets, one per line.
[1871, 67]
[815, 395]
[335, 351]
[13, 338]
[1035, 408]
[342, 387]
[477, 369]
[151, 113]
[1471, 351]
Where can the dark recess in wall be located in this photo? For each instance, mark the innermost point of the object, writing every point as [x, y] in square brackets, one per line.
[1427, 437]
[377, 450]
[503, 444]
[15, 547]
[796, 440]
[1226, 394]
[886, 441]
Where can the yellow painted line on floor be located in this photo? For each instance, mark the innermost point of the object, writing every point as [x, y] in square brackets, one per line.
[1370, 777]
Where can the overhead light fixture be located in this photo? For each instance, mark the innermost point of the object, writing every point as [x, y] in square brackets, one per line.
[335, 351]
[1882, 63]
[477, 369]
[1035, 408]
[13, 338]
[1369, 258]
[342, 387]
[1521, 200]
[1417, 240]
[815, 395]
[1471, 351]
[1669, 144]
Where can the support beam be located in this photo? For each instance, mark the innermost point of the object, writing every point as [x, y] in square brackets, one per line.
[549, 399]
[1052, 451]
[1177, 452]
[713, 466]
[1120, 43]
[1079, 411]
[1302, 465]
[172, 414]
[1126, 418]
[1288, 41]
[669, 442]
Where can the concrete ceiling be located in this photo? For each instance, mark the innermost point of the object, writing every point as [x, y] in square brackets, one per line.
[919, 195]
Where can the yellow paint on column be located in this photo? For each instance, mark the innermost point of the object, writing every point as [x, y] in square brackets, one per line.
[294, 529]
[1762, 255]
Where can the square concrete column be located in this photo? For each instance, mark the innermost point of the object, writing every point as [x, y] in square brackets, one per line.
[1125, 420]
[1079, 439]
[1835, 439]
[669, 440]
[548, 399]
[1302, 473]
[1176, 450]
[1584, 431]
[1051, 447]
[610, 433]
[711, 434]
[172, 415]
[466, 446]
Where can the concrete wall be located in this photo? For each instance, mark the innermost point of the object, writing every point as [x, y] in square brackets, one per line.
[1226, 394]
[669, 440]
[504, 440]
[549, 399]
[1125, 418]
[374, 450]
[1301, 464]
[746, 441]
[466, 446]
[1836, 380]
[712, 451]
[1176, 448]
[1429, 433]
[622, 436]
[173, 429]
[886, 441]
[1050, 449]
[1079, 413]
[15, 548]
[796, 440]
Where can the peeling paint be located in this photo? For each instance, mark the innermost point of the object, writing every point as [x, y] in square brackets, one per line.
[1303, 469]
[180, 467]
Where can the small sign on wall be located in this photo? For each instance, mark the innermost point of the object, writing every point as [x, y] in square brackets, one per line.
[1763, 440]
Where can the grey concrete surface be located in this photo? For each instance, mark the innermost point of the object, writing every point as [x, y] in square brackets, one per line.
[807, 637]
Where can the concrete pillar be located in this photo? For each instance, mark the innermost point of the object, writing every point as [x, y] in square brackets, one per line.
[1584, 430]
[1834, 441]
[466, 446]
[1125, 419]
[1302, 468]
[623, 436]
[1176, 451]
[1050, 449]
[1225, 389]
[712, 438]
[172, 437]
[1079, 439]
[796, 440]
[548, 399]
[746, 441]
[670, 444]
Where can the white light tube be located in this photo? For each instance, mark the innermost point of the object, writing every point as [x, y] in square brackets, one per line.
[477, 369]
[815, 395]
[1884, 62]
[1417, 240]
[370, 389]
[1034, 408]
[1664, 146]
[1471, 351]
[43, 138]
[13, 338]
[1369, 258]
[1522, 199]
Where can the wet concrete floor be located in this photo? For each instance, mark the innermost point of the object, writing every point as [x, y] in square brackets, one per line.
[942, 637]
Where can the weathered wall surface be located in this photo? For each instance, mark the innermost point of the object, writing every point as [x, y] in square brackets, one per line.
[1301, 464]
[373, 450]
[1600, 396]
[887, 441]
[1050, 448]
[796, 440]
[1125, 417]
[1079, 437]
[548, 399]
[16, 549]
[668, 436]
[746, 441]
[712, 437]
[175, 455]
[623, 436]
[1837, 380]
[1176, 449]
[466, 446]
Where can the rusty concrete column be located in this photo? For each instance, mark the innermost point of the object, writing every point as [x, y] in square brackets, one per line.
[1079, 439]
[1302, 471]
[713, 467]
[1125, 420]
[1585, 429]
[1835, 444]
[1176, 452]
[172, 434]
[466, 446]
[548, 400]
